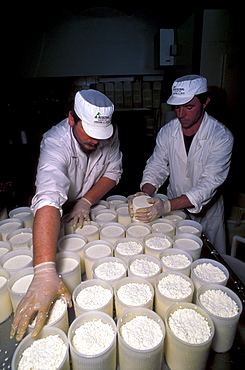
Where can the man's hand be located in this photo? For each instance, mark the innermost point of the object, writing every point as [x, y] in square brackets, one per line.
[45, 287]
[159, 208]
[79, 213]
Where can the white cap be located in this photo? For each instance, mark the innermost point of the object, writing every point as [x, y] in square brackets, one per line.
[95, 110]
[185, 88]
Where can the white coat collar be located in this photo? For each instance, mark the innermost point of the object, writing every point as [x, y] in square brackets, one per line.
[197, 143]
[201, 134]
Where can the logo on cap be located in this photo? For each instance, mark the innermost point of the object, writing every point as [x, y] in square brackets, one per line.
[178, 90]
[101, 119]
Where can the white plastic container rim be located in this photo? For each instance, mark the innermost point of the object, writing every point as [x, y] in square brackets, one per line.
[28, 340]
[88, 283]
[90, 316]
[137, 311]
[214, 263]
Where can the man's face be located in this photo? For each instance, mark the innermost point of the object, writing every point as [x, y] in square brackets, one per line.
[191, 113]
[87, 144]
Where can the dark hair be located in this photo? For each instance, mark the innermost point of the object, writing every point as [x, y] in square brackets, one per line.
[203, 97]
[75, 116]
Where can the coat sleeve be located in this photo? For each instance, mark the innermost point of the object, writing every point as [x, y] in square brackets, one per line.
[214, 172]
[52, 183]
[156, 170]
[114, 168]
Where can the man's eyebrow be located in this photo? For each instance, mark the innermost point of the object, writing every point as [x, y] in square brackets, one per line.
[184, 105]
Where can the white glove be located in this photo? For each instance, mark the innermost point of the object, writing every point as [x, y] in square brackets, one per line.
[45, 287]
[159, 208]
[79, 213]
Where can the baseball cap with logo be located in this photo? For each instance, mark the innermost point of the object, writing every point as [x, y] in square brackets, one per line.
[95, 110]
[185, 88]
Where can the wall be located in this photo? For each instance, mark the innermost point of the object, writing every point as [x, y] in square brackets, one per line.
[86, 45]
[222, 64]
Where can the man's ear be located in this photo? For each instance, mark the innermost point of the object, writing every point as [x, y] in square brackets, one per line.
[206, 103]
[71, 119]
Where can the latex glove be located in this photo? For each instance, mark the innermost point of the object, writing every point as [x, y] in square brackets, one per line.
[159, 208]
[79, 213]
[45, 287]
[130, 202]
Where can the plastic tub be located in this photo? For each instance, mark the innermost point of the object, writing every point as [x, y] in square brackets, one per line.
[114, 200]
[5, 301]
[210, 277]
[105, 360]
[225, 327]
[125, 248]
[175, 216]
[163, 301]
[17, 260]
[95, 250]
[90, 231]
[74, 243]
[144, 266]
[8, 225]
[112, 231]
[189, 243]
[121, 305]
[102, 204]
[190, 227]
[181, 355]
[20, 238]
[18, 285]
[156, 242]
[5, 247]
[163, 226]
[161, 196]
[68, 266]
[110, 269]
[106, 307]
[178, 264]
[123, 215]
[105, 216]
[28, 341]
[60, 322]
[140, 359]
[23, 213]
[137, 231]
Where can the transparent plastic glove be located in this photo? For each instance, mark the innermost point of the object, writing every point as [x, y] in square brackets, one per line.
[158, 209]
[45, 287]
[79, 213]
[130, 202]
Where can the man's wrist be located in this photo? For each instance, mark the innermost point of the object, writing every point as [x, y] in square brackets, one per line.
[87, 201]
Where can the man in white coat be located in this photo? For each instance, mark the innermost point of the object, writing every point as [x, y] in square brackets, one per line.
[193, 151]
[79, 163]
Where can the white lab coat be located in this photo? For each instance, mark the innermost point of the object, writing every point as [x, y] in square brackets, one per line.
[198, 175]
[65, 172]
